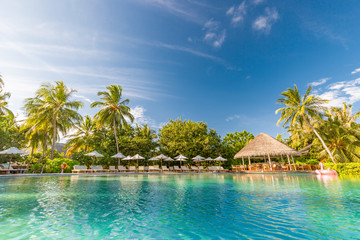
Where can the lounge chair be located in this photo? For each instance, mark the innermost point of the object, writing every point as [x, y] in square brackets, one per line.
[4, 170]
[154, 168]
[97, 169]
[141, 169]
[177, 169]
[122, 168]
[80, 169]
[164, 168]
[185, 168]
[193, 168]
[146, 169]
[201, 169]
[113, 169]
[132, 169]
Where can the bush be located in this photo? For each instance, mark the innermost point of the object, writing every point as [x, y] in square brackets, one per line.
[345, 169]
[54, 166]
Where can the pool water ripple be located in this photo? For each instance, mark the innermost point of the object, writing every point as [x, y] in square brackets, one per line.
[205, 206]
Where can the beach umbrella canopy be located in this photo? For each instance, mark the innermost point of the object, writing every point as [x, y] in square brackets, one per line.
[127, 158]
[180, 156]
[94, 155]
[12, 151]
[169, 159]
[137, 157]
[209, 159]
[220, 159]
[161, 157]
[119, 156]
[153, 159]
[198, 158]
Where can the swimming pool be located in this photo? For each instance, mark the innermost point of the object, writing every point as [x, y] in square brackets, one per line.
[186, 206]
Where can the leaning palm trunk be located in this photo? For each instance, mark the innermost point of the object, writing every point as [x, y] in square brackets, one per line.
[116, 140]
[320, 138]
[44, 149]
[53, 140]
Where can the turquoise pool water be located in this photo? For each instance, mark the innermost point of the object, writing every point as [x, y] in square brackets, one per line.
[206, 206]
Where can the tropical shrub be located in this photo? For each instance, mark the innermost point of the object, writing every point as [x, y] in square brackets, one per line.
[345, 169]
[54, 166]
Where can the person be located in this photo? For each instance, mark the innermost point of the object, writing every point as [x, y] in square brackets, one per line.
[63, 166]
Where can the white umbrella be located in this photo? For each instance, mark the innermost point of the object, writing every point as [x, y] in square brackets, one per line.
[137, 157]
[153, 159]
[119, 155]
[209, 159]
[181, 159]
[161, 157]
[12, 151]
[198, 158]
[94, 155]
[220, 159]
[180, 156]
[169, 159]
[127, 158]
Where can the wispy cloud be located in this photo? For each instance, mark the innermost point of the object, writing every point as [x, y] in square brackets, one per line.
[344, 91]
[141, 118]
[264, 23]
[213, 33]
[355, 71]
[319, 82]
[237, 13]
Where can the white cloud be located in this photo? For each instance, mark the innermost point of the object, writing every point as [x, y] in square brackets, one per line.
[264, 23]
[319, 82]
[237, 13]
[256, 2]
[141, 118]
[213, 34]
[339, 92]
[355, 71]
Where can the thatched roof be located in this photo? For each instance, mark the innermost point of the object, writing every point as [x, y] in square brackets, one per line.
[264, 145]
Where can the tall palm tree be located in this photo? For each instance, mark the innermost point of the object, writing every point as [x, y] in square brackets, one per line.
[113, 110]
[302, 109]
[4, 111]
[82, 138]
[52, 107]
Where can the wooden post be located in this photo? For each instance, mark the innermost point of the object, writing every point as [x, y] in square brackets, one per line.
[249, 160]
[270, 162]
[243, 160]
[293, 161]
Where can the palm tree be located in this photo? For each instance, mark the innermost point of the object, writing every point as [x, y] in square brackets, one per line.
[52, 107]
[302, 109]
[82, 138]
[4, 111]
[342, 141]
[113, 110]
[344, 115]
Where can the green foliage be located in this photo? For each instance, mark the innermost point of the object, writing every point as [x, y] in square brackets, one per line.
[344, 169]
[309, 161]
[233, 143]
[54, 166]
[189, 138]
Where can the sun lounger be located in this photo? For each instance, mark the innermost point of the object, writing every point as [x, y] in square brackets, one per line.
[112, 169]
[4, 169]
[177, 169]
[141, 169]
[201, 169]
[164, 168]
[80, 169]
[122, 168]
[132, 169]
[185, 169]
[97, 169]
[195, 169]
[146, 168]
[154, 168]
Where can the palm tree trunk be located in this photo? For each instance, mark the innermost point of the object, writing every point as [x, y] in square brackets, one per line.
[320, 138]
[54, 139]
[116, 140]
[44, 149]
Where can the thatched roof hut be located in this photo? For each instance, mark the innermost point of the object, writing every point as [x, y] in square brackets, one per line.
[265, 146]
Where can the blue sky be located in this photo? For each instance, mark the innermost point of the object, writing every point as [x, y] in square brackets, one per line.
[221, 62]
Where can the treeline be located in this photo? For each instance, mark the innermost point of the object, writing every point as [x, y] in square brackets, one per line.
[331, 134]
[53, 112]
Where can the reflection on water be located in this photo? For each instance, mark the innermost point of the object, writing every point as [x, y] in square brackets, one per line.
[180, 206]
